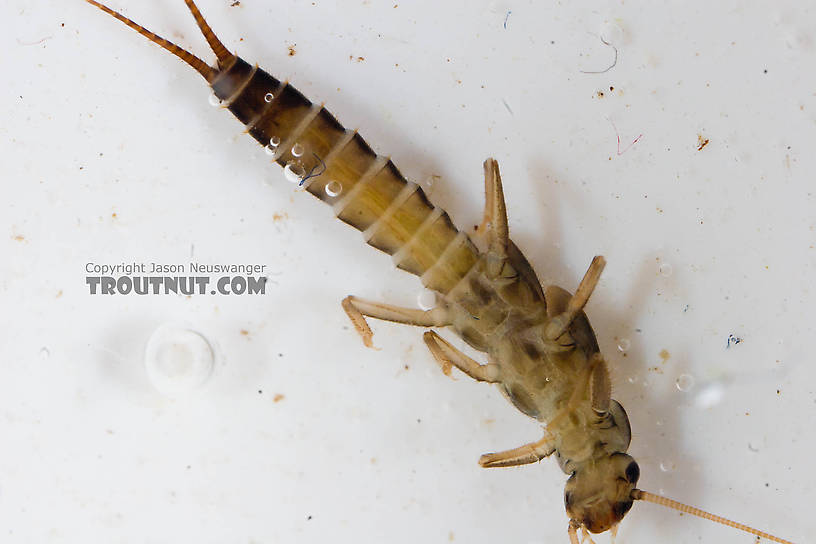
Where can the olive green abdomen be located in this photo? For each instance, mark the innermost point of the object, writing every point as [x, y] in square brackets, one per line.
[336, 165]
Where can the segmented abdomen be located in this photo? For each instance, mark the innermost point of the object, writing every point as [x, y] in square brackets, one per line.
[338, 167]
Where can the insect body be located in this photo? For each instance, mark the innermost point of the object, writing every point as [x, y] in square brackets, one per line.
[541, 350]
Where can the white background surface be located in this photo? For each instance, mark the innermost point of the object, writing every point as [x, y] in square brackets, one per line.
[111, 153]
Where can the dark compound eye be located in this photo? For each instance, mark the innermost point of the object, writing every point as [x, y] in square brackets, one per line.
[632, 472]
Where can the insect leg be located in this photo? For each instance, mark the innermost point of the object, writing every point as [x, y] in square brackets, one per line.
[561, 322]
[358, 309]
[572, 531]
[447, 355]
[523, 455]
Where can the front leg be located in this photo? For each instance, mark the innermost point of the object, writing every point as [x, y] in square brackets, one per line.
[358, 309]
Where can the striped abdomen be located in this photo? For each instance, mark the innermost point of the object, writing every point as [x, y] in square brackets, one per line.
[337, 166]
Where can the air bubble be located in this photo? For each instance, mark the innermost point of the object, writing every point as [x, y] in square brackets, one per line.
[293, 172]
[710, 395]
[426, 299]
[297, 150]
[272, 148]
[215, 101]
[624, 344]
[665, 270]
[684, 382]
[178, 360]
[666, 466]
[333, 188]
[268, 97]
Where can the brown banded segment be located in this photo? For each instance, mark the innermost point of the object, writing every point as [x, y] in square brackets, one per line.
[396, 230]
[282, 116]
[230, 81]
[453, 265]
[250, 103]
[423, 251]
[350, 163]
[369, 202]
[319, 139]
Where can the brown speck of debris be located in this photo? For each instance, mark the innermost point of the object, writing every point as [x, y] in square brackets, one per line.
[599, 94]
[292, 50]
[778, 391]
[450, 536]
[244, 332]
[279, 216]
[235, 4]
[19, 237]
[59, 294]
[278, 397]
[701, 142]
[664, 355]
[113, 215]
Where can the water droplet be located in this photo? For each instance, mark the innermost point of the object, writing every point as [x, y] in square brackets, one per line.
[684, 382]
[665, 270]
[44, 353]
[268, 97]
[426, 299]
[178, 360]
[666, 466]
[294, 172]
[297, 150]
[333, 188]
[215, 101]
[624, 344]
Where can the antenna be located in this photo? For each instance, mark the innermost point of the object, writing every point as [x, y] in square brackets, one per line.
[640, 495]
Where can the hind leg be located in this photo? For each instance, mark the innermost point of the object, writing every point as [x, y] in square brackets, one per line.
[358, 309]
